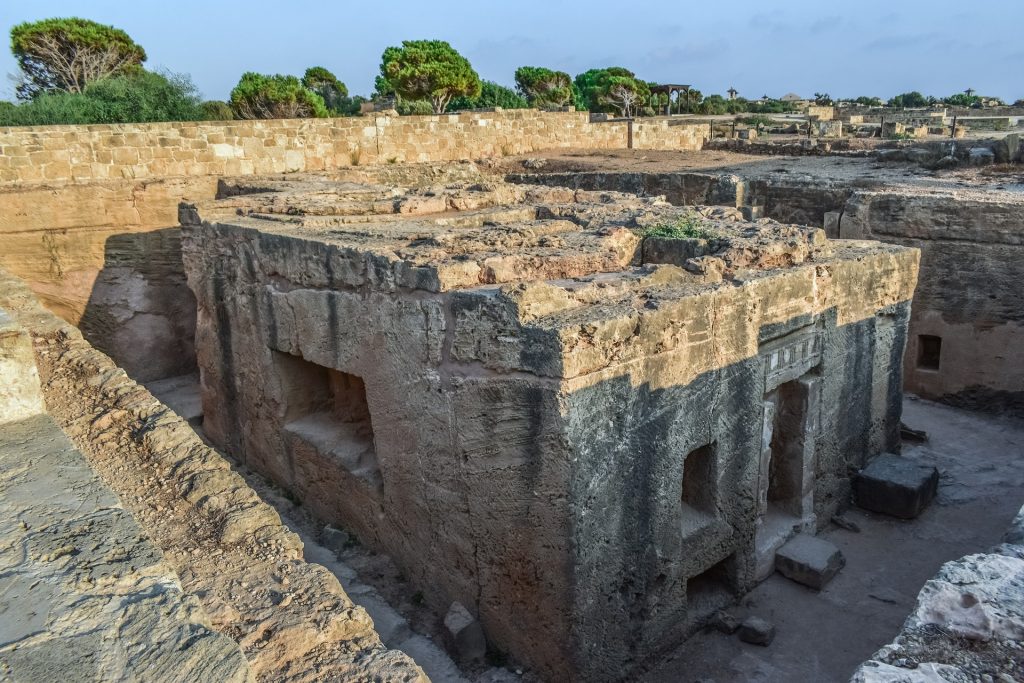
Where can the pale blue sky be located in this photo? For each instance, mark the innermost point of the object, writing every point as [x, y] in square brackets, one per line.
[867, 47]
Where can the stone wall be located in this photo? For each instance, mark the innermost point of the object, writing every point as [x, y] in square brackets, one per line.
[971, 264]
[84, 594]
[968, 303]
[79, 154]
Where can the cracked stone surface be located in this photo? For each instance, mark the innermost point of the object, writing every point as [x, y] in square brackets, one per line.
[84, 594]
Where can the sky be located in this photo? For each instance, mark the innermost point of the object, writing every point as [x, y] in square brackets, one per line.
[869, 47]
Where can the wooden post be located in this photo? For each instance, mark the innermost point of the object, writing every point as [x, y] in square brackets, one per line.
[629, 134]
[953, 132]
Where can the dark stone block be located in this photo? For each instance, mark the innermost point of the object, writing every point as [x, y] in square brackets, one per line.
[895, 486]
[757, 631]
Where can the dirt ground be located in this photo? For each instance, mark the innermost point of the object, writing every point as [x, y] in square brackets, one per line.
[857, 171]
[824, 636]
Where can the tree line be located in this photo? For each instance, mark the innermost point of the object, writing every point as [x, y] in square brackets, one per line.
[78, 71]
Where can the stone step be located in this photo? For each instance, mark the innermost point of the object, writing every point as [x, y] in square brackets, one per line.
[809, 560]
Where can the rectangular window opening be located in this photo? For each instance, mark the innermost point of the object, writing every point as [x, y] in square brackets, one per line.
[699, 485]
[328, 409]
[929, 351]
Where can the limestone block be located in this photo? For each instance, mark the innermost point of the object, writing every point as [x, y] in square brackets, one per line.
[809, 560]
[895, 486]
[831, 223]
[19, 381]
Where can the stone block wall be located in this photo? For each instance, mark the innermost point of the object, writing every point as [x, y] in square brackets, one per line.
[542, 478]
[968, 311]
[160, 150]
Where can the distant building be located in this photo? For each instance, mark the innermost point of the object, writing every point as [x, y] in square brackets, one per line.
[791, 97]
[732, 93]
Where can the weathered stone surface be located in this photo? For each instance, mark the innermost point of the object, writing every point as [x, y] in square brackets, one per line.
[895, 486]
[545, 358]
[726, 621]
[809, 560]
[335, 540]
[756, 631]
[19, 380]
[981, 156]
[85, 595]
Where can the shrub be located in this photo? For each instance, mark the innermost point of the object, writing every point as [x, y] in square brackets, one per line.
[414, 107]
[491, 95]
[69, 54]
[139, 98]
[687, 226]
[215, 110]
[258, 96]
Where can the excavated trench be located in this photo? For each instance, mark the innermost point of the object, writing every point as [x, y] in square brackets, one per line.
[822, 636]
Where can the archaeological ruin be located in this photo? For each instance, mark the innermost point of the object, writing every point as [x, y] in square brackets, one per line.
[510, 395]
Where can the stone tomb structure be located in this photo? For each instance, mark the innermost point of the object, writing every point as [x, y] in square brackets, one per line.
[590, 436]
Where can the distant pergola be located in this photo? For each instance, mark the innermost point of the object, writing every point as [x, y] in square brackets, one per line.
[670, 89]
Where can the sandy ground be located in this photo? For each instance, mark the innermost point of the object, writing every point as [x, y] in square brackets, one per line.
[865, 172]
[824, 636]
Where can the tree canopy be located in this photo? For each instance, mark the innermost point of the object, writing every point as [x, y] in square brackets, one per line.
[613, 88]
[259, 96]
[427, 70]
[543, 87]
[912, 99]
[69, 54]
[326, 85]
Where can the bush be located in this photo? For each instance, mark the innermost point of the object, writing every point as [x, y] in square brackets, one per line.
[912, 100]
[140, 98]
[491, 95]
[258, 96]
[215, 110]
[414, 107]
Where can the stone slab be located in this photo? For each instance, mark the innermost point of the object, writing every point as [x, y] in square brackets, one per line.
[84, 594]
[809, 560]
[895, 486]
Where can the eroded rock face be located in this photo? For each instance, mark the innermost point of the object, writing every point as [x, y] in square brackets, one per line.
[494, 385]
